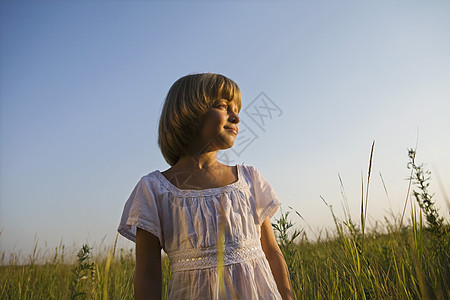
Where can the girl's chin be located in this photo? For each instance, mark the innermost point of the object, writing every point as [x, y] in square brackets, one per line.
[226, 147]
[227, 144]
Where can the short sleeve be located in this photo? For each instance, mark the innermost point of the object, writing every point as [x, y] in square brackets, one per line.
[140, 211]
[266, 199]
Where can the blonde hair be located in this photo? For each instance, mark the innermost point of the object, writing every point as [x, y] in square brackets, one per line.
[186, 103]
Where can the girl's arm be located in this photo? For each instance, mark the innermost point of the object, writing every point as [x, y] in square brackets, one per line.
[148, 279]
[276, 260]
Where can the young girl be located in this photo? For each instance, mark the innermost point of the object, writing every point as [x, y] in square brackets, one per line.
[212, 220]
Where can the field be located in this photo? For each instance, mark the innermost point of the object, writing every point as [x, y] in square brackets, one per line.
[406, 258]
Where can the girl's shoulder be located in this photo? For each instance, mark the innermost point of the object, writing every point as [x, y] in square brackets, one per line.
[150, 177]
[151, 181]
[156, 182]
[248, 170]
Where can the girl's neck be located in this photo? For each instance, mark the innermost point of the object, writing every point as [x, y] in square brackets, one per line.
[202, 161]
[200, 172]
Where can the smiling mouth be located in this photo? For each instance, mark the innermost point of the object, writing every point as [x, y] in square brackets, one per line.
[233, 130]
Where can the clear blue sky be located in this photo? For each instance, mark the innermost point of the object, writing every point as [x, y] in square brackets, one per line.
[82, 83]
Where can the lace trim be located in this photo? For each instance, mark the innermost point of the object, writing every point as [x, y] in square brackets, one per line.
[194, 259]
[239, 183]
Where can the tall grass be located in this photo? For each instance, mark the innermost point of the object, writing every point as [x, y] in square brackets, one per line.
[400, 260]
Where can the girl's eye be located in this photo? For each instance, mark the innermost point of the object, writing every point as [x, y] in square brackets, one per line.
[222, 106]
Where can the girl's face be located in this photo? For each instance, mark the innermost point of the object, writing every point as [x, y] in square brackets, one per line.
[220, 125]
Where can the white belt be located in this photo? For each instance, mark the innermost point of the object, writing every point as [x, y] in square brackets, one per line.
[202, 258]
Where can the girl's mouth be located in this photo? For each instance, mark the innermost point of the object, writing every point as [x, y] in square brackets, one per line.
[231, 129]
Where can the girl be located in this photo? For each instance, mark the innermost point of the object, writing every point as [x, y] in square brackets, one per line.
[212, 220]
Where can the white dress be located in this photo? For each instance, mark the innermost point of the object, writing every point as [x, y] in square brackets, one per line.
[188, 224]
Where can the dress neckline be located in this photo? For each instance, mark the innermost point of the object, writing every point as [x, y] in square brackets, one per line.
[209, 191]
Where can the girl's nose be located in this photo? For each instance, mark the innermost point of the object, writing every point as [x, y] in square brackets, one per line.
[234, 118]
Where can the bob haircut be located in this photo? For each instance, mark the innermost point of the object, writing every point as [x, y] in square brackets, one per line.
[185, 106]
